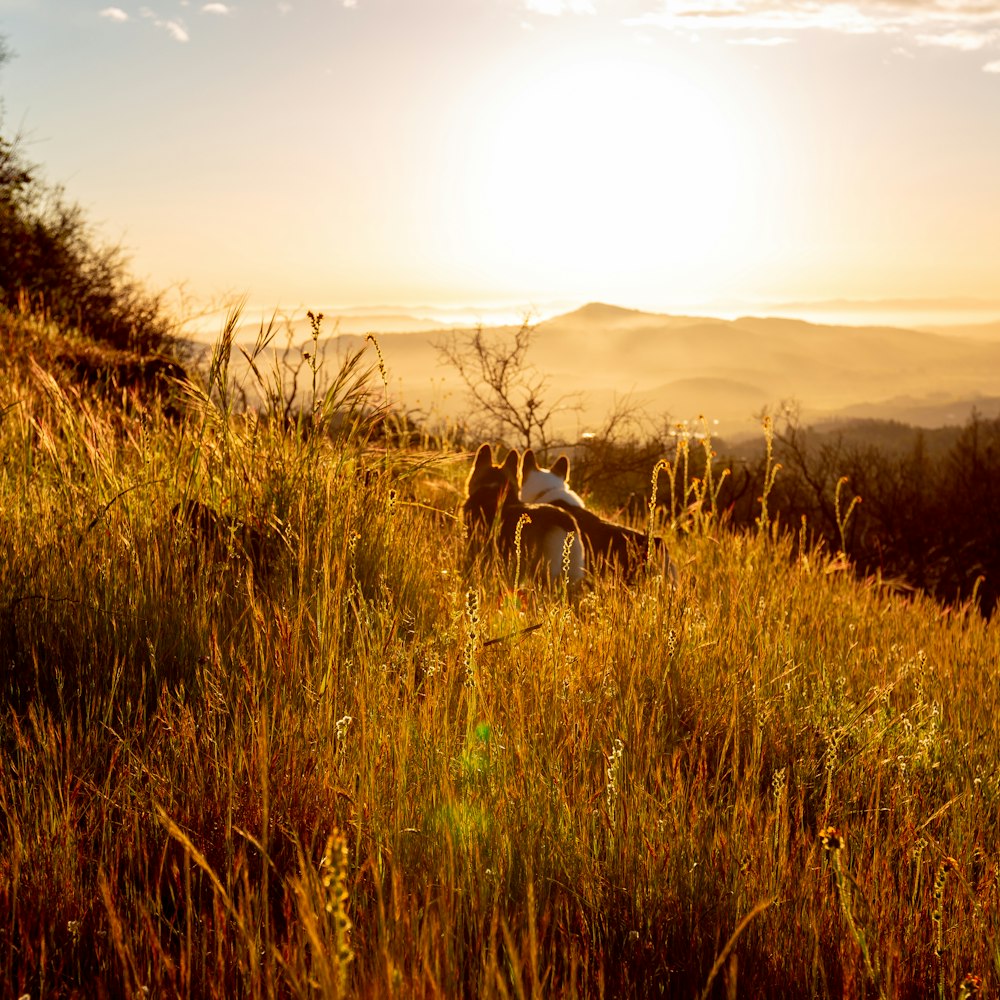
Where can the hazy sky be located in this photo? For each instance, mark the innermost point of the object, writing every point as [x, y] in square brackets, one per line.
[645, 152]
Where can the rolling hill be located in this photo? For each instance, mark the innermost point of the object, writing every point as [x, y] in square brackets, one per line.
[683, 367]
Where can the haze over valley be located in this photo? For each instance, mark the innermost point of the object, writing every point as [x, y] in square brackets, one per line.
[728, 371]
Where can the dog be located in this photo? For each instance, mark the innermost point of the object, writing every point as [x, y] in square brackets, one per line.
[492, 513]
[610, 548]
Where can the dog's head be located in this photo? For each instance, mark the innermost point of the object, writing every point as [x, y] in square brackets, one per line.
[488, 490]
[499, 479]
[540, 485]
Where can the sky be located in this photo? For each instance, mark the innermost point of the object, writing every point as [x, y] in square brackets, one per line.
[652, 153]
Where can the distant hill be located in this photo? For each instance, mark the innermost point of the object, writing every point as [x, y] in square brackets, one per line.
[896, 305]
[680, 367]
[926, 412]
[725, 400]
[972, 331]
[891, 437]
[609, 317]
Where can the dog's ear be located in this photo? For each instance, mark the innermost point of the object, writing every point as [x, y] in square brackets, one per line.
[528, 463]
[560, 468]
[510, 464]
[484, 458]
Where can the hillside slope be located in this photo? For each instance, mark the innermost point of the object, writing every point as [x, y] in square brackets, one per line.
[341, 756]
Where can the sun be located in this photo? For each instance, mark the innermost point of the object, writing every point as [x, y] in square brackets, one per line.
[608, 169]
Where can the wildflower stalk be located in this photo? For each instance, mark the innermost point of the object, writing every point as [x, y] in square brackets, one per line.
[842, 520]
[937, 915]
[334, 878]
[472, 643]
[521, 522]
[321, 898]
[918, 851]
[833, 843]
[613, 772]
[771, 470]
[653, 483]
[385, 391]
[312, 360]
[472, 637]
[567, 559]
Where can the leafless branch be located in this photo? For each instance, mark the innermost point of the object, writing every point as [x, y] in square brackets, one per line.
[507, 390]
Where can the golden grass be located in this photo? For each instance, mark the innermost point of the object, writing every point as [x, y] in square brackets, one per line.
[319, 776]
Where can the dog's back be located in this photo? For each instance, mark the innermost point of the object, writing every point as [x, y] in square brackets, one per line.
[610, 547]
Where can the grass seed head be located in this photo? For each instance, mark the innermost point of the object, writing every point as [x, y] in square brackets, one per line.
[381, 360]
[472, 635]
[831, 839]
[567, 553]
[521, 522]
[972, 986]
[778, 784]
[614, 767]
[342, 726]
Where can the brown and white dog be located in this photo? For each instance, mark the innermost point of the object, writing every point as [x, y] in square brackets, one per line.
[609, 547]
[492, 512]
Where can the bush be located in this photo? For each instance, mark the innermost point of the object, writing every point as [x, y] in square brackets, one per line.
[52, 262]
[925, 518]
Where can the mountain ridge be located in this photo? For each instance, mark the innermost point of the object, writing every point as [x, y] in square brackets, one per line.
[685, 366]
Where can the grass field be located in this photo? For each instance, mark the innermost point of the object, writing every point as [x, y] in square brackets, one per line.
[307, 756]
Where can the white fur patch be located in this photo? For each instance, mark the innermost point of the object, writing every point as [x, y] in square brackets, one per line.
[542, 486]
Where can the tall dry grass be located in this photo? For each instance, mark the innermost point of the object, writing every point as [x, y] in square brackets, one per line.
[332, 765]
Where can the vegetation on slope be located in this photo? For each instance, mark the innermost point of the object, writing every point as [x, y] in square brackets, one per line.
[924, 513]
[261, 736]
[304, 767]
[924, 520]
[53, 263]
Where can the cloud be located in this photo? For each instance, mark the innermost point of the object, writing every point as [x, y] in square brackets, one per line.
[350, 3]
[967, 25]
[761, 42]
[553, 8]
[175, 29]
[216, 8]
[992, 67]
[964, 41]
